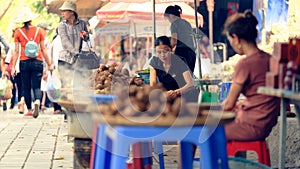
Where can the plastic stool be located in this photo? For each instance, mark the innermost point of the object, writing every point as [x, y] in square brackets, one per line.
[260, 147]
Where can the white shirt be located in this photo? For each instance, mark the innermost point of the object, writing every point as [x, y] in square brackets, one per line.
[56, 48]
[10, 54]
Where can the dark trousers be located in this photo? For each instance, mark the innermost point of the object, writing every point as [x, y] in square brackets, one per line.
[18, 81]
[14, 92]
[187, 55]
[31, 74]
[56, 106]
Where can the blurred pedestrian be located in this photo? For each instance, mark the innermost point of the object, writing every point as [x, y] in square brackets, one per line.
[31, 66]
[16, 81]
[45, 28]
[5, 44]
[182, 41]
[72, 32]
[56, 47]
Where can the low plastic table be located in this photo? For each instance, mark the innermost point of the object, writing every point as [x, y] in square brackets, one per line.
[113, 141]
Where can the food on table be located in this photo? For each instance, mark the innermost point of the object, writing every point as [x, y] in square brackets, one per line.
[107, 76]
[144, 101]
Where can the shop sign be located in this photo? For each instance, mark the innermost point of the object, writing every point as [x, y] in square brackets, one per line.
[114, 30]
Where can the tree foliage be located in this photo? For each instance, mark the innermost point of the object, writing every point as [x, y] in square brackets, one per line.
[7, 21]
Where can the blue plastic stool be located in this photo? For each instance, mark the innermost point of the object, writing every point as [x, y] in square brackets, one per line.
[158, 149]
[113, 144]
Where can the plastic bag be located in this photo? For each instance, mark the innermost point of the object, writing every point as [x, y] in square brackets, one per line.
[53, 86]
[5, 89]
[3, 86]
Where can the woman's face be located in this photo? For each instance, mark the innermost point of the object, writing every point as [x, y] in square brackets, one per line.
[235, 43]
[163, 52]
[168, 17]
[67, 14]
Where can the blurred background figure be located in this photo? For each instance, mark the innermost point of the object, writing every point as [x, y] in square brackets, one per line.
[182, 40]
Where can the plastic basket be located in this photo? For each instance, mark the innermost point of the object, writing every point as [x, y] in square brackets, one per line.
[238, 163]
[225, 87]
[102, 98]
[145, 77]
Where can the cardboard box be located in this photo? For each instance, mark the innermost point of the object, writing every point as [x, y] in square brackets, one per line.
[271, 80]
[280, 51]
[294, 50]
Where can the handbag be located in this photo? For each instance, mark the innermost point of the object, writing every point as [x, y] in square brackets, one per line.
[87, 59]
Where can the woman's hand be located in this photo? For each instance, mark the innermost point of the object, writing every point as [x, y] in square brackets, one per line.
[13, 72]
[172, 94]
[50, 67]
[45, 75]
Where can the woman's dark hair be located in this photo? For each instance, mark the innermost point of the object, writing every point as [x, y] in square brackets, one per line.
[163, 40]
[173, 10]
[243, 25]
[26, 25]
[76, 15]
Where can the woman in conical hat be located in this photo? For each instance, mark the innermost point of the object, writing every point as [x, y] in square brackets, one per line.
[31, 69]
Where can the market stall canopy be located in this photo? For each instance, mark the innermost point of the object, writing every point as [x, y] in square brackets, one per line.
[142, 13]
[85, 8]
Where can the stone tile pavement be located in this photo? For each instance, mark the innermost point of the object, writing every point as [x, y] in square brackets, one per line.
[42, 143]
[28, 143]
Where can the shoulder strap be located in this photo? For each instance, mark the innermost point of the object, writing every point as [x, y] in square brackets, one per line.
[36, 32]
[23, 34]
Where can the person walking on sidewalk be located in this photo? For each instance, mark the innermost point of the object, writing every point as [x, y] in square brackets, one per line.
[45, 101]
[31, 65]
[6, 72]
[56, 47]
[5, 44]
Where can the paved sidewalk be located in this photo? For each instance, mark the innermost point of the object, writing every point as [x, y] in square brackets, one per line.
[42, 143]
[28, 143]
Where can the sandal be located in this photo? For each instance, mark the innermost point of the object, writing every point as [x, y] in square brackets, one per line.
[28, 114]
[36, 109]
[58, 112]
[21, 106]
